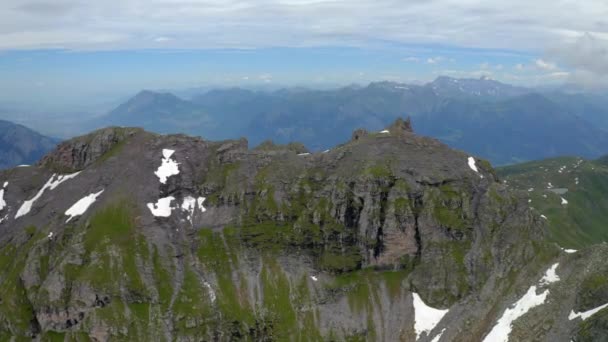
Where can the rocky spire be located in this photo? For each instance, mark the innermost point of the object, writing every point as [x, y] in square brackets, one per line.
[401, 125]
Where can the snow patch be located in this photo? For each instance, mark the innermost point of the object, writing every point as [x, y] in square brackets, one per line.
[426, 317]
[162, 208]
[5, 184]
[2, 201]
[586, 314]
[386, 131]
[190, 204]
[550, 276]
[51, 184]
[472, 164]
[50, 236]
[570, 251]
[564, 201]
[200, 201]
[543, 216]
[314, 278]
[168, 168]
[501, 331]
[82, 205]
[438, 337]
[304, 154]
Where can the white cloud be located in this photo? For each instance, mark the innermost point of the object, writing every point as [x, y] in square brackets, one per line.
[518, 24]
[589, 53]
[434, 60]
[544, 65]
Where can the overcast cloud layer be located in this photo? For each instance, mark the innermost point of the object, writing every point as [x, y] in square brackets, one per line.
[516, 24]
[569, 37]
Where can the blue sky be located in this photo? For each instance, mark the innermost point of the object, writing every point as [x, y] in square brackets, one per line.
[65, 51]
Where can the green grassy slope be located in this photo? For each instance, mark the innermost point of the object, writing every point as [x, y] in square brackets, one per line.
[583, 220]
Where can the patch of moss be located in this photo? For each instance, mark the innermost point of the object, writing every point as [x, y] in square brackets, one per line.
[113, 248]
[16, 311]
[379, 171]
[232, 298]
[163, 280]
[277, 300]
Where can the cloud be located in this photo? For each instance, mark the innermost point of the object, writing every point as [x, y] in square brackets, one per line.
[515, 25]
[544, 65]
[434, 60]
[587, 53]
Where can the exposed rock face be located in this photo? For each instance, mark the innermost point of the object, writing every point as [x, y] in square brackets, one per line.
[79, 153]
[401, 125]
[270, 244]
[358, 134]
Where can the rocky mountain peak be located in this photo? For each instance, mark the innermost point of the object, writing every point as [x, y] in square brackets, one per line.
[401, 126]
[80, 152]
[178, 238]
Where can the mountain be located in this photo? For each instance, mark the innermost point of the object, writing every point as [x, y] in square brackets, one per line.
[570, 192]
[478, 115]
[482, 88]
[159, 112]
[21, 145]
[391, 236]
[517, 129]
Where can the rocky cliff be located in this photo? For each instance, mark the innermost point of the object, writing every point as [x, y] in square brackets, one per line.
[128, 235]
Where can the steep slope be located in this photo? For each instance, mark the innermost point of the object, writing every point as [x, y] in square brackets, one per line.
[21, 145]
[388, 237]
[570, 192]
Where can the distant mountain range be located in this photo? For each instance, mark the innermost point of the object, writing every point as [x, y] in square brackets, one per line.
[21, 145]
[503, 123]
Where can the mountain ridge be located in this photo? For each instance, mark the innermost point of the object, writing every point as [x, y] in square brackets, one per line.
[323, 118]
[192, 239]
